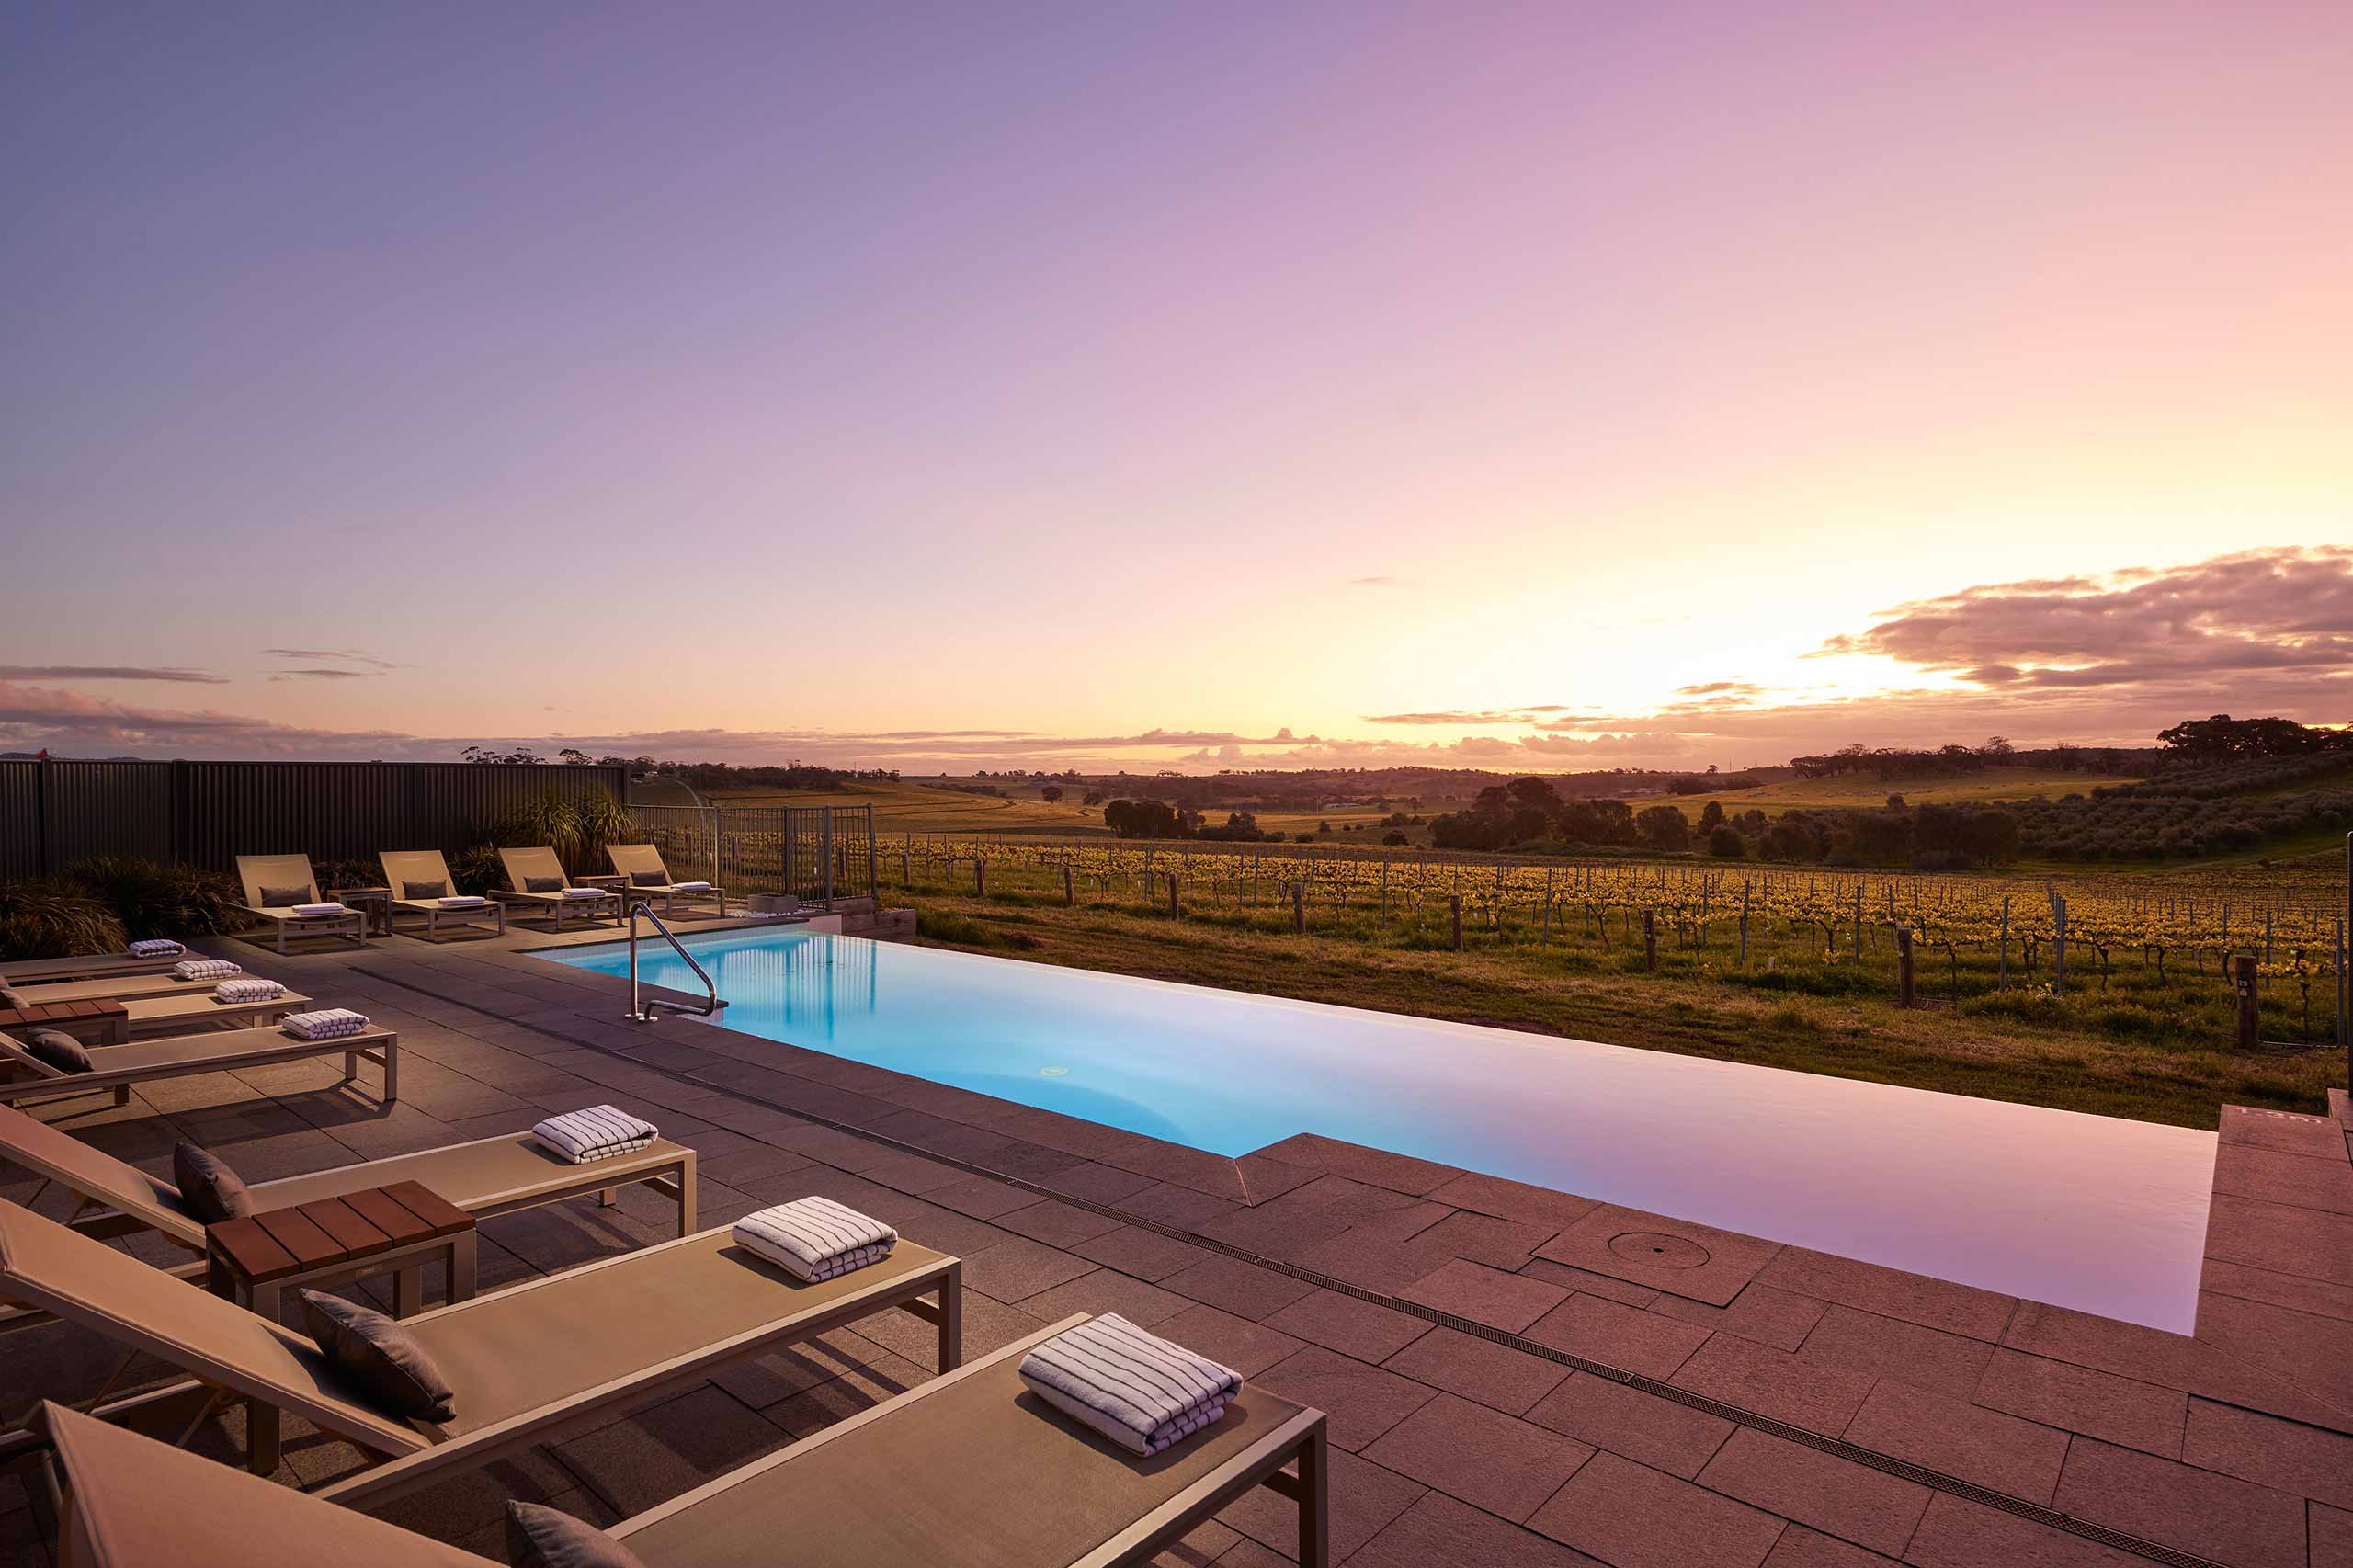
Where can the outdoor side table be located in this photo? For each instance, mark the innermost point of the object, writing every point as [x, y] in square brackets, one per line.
[374, 903]
[394, 1230]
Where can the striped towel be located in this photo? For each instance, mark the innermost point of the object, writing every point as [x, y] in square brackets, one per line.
[154, 948]
[328, 1023]
[206, 969]
[320, 909]
[689, 887]
[815, 1238]
[462, 901]
[598, 1133]
[584, 892]
[252, 988]
[1135, 1388]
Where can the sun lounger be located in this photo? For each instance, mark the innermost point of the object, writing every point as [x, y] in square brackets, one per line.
[268, 877]
[537, 878]
[485, 1177]
[117, 988]
[531, 1364]
[404, 868]
[635, 862]
[116, 1067]
[965, 1472]
[86, 966]
[112, 1022]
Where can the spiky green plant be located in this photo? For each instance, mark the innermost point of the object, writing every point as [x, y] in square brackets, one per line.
[54, 920]
[154, 898]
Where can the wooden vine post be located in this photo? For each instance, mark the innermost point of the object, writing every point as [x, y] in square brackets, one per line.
[2243, 982]
[1454, 910]
[1650, 941]
[1903, 964]
[1299, 909]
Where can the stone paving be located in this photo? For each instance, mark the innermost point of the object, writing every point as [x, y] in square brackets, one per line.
[1462, 1342]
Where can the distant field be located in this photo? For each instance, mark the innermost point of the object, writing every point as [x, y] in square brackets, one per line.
[920, 809]
[1827, 794]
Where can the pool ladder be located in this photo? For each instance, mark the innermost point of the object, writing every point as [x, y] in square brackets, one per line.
[643, 1010]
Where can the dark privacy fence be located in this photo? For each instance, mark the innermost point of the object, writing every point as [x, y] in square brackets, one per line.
[207, 813]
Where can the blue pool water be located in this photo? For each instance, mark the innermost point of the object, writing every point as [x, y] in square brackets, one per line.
[2086, 1211]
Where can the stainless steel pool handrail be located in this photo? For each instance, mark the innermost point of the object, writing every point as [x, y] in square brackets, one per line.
[646, 1011]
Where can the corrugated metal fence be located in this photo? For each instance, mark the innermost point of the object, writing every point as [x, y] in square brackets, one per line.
[207, 813]
[815, 852]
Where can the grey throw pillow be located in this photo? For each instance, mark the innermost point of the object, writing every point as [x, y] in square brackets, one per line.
[542, 884]
[541, 1537]
[209, 1186]
[58, 1050]
[380, 1355]
[648, 880]
[425, 890]
[286, 898]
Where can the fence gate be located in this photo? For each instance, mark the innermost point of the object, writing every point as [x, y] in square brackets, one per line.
[817, 854]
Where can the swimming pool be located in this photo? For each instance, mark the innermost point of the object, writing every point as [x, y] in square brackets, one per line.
[2086, 1211]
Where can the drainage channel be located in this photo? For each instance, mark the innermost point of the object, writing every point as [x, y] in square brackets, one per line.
[1935, 1480]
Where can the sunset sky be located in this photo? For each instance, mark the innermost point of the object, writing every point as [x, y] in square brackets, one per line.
[985, 384]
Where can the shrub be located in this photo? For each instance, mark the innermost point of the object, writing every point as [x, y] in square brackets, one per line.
[55, 920]
[576, 830]
[155, 898]
[1724, 842]
[947, 926]
[477, 868]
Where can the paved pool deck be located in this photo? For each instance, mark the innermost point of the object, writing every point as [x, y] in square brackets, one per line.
[1515, 1375]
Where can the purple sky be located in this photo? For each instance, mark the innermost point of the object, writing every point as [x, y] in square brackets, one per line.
[1545, 385]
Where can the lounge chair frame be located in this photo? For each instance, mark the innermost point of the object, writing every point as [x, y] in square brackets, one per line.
[1302, 1438]
[258, 871]
[629, 859]
[183, 1056]
[120, 1199]
[404, 866]
[21, 972]
[542, 862]
[416, 1455]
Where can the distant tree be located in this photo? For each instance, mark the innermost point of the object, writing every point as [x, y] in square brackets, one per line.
[1664, 827]
[1712, 816]
[1895, 803]
[1051, 792]
[1393, 836]
[1726, 843]
[484, 753]
[1092, 797]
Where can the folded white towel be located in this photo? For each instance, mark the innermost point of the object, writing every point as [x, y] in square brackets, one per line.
[328, 1023]
[154, 948]
[320, 909]
[251, 988]
[206, 969]
[598, 1133]
[464, 900]
[1137, 1389]
[815, 1238]
[584, 892]
[689, 887]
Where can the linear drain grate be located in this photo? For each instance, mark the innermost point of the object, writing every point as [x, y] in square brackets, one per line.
[1935, 1480]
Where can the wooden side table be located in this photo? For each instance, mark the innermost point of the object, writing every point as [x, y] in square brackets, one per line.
[375, 903]
[110, 1021]
[393, 1230]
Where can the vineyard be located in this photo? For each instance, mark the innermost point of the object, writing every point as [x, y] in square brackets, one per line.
[2133, 958]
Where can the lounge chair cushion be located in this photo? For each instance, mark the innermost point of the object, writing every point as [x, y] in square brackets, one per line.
[209, 1186]
[380, 1355]
[54, 1048]
[648, 880]
[542, 884]
[425, 890]
[541, 1537]
[284, 898]
[12, 997]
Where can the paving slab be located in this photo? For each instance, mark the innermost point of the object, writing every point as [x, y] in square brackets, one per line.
[1835, 1495]
[1633, 1516]
[2283, 1454]
[1615, 1334]
[1362, 1400]
[2007, 1453]
[1440, 1532]
[1891, 1292]
[2214, 1516]
[1957, 1533]
[1473, 1291]
[1676, 1257]
[1485, 1458]
[1775, 1383]
[1496, 1375]
[1366, 1330]
[1890, 1348]
[1641, 1426]
[1779, 1318]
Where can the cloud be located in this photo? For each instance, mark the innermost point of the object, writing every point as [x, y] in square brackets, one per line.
[111, 672]
[1456, 716]
[347, 655]
[1372, 582]
[325, 675]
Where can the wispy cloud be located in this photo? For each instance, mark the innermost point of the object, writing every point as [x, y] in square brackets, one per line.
[348, 655]
[325, 675]
[174, 673]
[1372, 582]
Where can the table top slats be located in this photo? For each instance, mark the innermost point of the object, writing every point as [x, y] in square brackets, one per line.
[349, 1229]
[311, 1245]
[444, 1217]
[389, 1215]
[250, 1249]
